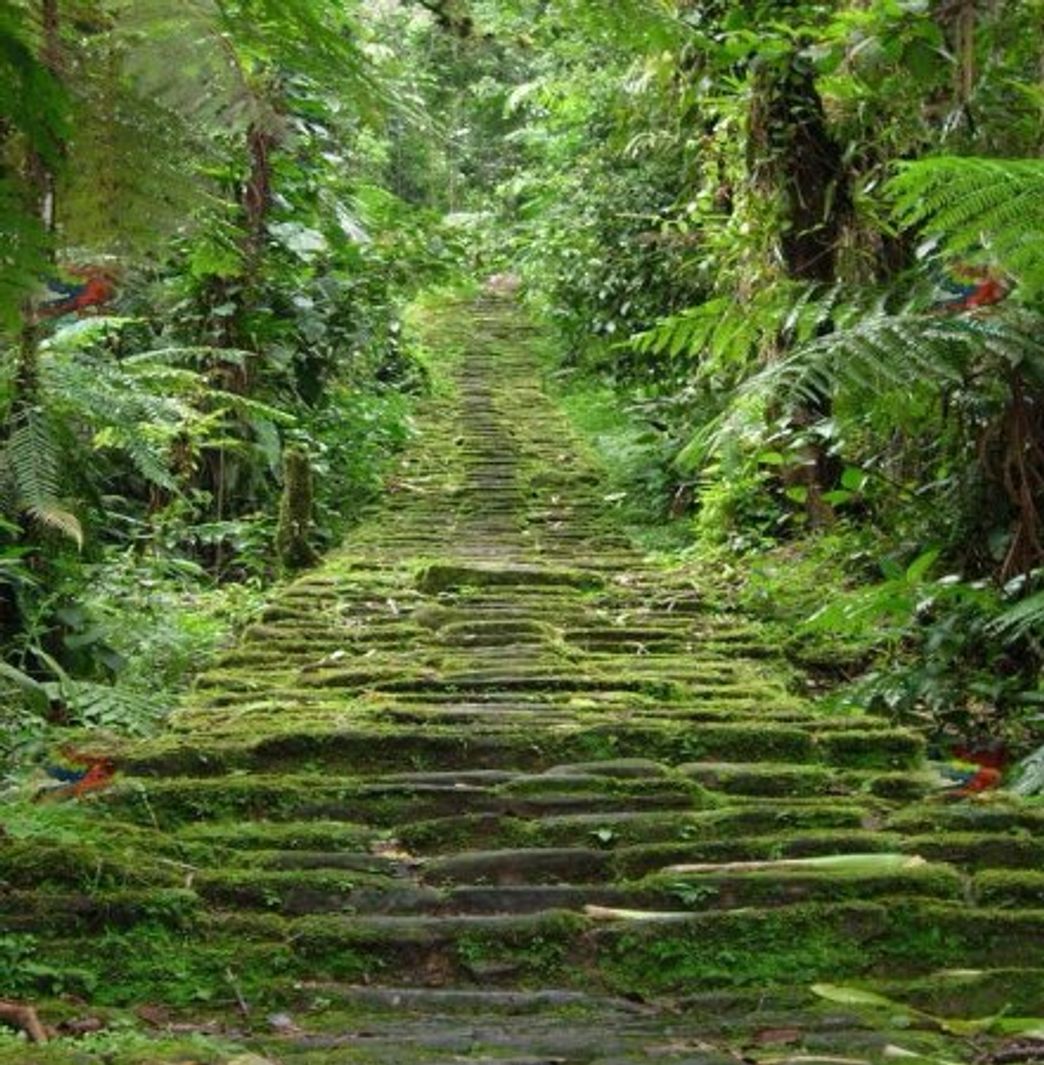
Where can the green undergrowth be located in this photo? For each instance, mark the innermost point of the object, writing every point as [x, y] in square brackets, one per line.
[629, 453]
[875, 621]
[778, 583]
[118, 1045]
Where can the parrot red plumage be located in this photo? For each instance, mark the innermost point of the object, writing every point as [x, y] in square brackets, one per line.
[93, 773]
[97, 289]
[976, 288]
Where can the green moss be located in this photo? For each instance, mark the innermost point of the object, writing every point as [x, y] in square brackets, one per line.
[873, 748]
[441, 577]
[972, 992]
[269, 835]
[770, 779]
[978, 850]
[121, 1047]
[809, 942]
[152, 962]
[900, 787]
[634, 861]
[1010, 887]
[69, 913]
[289, 891]
[994, 817]
[776, 888]
[39, 864]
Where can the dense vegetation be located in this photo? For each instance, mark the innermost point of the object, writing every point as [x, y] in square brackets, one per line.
[793, 252]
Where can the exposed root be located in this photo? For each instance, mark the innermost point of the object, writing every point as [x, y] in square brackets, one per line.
[25, 1019]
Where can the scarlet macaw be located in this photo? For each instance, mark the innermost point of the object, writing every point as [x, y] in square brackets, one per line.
[975, 287]
[96, 289]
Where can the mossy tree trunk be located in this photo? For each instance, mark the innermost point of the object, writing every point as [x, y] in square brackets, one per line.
[793, 159]
[293, 545]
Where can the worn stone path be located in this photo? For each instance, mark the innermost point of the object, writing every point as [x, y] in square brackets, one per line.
[476, 790]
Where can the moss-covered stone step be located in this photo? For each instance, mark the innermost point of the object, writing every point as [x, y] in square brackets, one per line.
[85, 912]
[169, 801]
[43, 865]
[795, 781]
[516, 747]
[668, 952]
[980, 850]
[577, 1040]
[444, 577]
[635, 860]
[496, 831]
[993, 815]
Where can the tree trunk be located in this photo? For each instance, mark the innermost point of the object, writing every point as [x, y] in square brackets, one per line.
[792, 158]
[257, 197]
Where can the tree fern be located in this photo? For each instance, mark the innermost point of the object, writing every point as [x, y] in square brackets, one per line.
[31, 99]
[973, 204]
[33, 105]
[221, 46]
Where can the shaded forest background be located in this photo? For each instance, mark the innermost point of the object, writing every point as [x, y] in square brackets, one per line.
[791, 254]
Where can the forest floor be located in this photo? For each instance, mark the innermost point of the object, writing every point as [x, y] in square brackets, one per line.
[490, 787]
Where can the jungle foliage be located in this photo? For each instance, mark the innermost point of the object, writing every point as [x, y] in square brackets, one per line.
[223, 172]
[793, 251]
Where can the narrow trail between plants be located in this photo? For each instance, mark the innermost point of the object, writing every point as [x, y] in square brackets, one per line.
[488, 787]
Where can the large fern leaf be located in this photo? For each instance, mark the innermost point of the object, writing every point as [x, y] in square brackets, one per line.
[34, 467]
[873, 348]
[972, 204]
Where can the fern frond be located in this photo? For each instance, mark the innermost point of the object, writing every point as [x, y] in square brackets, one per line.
[246, 407]
[200, 57]
[1025, 618]
[127, 410]
[1030, 775]
[31, 98]
[903, 350]
[32, 458]
[974, 203]
[727, 335]
[112, 706]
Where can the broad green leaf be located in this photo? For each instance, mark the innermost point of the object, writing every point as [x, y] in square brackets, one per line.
[854, 479]
[918, 569]
[854, 996]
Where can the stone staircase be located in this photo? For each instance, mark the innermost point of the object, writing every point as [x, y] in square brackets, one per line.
[487, 787]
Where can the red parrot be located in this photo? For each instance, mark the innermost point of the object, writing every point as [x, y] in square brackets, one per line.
[96, 773]
[97, 289]
[975, 288]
